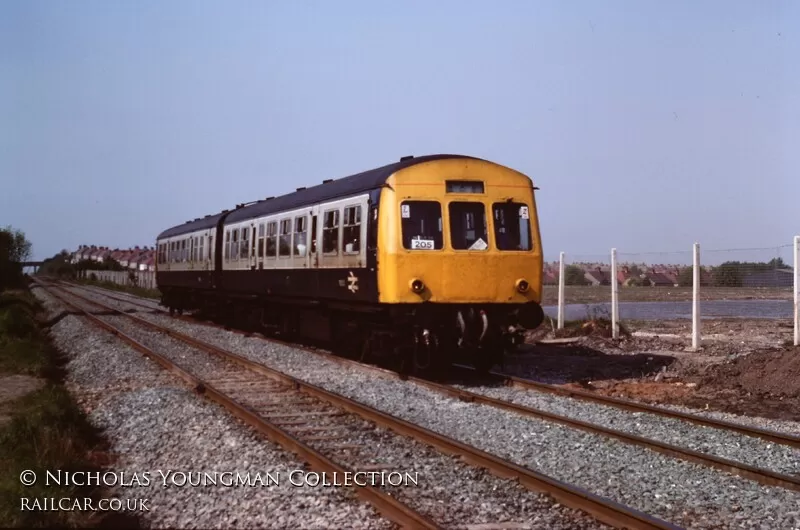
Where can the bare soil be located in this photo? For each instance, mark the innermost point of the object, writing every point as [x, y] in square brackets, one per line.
[13, 387]
[744, 367]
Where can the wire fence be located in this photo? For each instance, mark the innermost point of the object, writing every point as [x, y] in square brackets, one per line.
[747, 283]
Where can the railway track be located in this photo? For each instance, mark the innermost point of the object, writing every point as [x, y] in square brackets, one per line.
[239, 383]
[517, 382]
[496, 378]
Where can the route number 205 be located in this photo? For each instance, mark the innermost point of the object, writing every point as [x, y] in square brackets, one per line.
[422, 244]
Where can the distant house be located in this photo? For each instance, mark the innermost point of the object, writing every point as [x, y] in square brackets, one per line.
[658, 279]
[597, 277]
[550, 277]
[672, 275]
[149, 264]
[771, 278]
[624, 275]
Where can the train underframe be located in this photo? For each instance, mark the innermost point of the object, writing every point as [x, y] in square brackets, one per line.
[414, 338]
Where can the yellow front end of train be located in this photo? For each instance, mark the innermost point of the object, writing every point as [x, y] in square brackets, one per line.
[459, 231]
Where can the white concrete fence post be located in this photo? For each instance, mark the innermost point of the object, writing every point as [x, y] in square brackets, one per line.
[614, 296]
[797, 290]
[696, 297]
[561, 291]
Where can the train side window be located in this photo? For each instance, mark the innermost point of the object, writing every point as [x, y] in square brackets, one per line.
[201, 255]
[330, 232]
[235, 244]
[300, 236]
[260, 240]
[244, 246]
[351, 230]
[512, 226]
[285, 240]
[421, 225]
[211, 247]
[468, 226]
[227, 245]
[272, 239]
[197, 252]
[183, 250]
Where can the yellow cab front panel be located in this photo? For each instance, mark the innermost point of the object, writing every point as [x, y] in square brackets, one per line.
[459, 231]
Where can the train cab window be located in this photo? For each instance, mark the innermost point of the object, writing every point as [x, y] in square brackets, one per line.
[235, 244]
[227, 245]
[330, 232]
[285, 240]
[351, 230]
[468, 226]
[244, 246]
[300, 236]
[272, 239]
[260, 249]
[421, 225]
[512, 226]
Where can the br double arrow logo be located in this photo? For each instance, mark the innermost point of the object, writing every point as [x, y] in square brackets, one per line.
[352, 282]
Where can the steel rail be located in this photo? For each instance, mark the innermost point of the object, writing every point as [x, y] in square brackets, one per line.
[390, 507]
[512, 381]
[763, 476]
[604, 510]
[766, 434]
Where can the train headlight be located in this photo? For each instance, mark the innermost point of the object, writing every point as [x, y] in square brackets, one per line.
[522, 285]
[416, 285]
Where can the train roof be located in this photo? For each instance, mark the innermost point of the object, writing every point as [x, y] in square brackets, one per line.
[328, 190]
[203, 223]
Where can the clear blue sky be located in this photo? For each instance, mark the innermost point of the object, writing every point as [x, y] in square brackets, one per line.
[647, 125]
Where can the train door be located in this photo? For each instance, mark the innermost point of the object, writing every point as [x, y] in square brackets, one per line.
[253, 238]
[314, 237]
[204, 251]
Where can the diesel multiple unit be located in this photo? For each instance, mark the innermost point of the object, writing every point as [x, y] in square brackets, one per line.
[427, 259]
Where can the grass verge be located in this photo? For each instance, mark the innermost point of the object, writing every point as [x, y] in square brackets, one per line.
[44, 430]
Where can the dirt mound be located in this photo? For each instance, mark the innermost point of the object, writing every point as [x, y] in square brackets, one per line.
[774, 372]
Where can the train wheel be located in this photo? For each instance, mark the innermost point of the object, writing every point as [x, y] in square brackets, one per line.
[428, 357]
